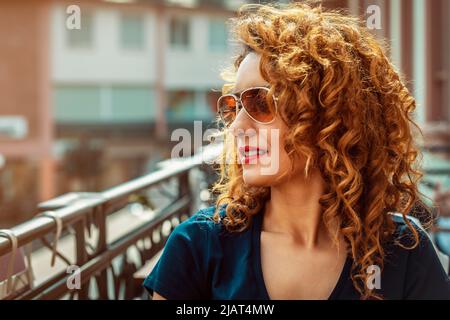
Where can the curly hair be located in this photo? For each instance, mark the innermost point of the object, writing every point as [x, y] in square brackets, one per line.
[349, 113]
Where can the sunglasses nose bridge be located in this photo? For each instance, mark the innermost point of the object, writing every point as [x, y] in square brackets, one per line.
[242, 119]
[239, 105]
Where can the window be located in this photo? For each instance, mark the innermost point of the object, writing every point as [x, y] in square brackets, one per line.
[212, 96]
[187, 105]
[179, 33]
[218, 35]
[212, 3]
[132, 32]
[183, 3]
[132, 104]
[181, 105]
[81, 38]
[98, 104]
[77, 104]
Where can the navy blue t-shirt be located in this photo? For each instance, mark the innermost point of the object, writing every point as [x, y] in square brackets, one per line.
[202, 260]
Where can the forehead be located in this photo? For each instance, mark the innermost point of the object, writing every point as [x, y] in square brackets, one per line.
[248, 74]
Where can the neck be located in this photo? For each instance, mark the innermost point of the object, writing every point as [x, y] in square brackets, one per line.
[294, 210]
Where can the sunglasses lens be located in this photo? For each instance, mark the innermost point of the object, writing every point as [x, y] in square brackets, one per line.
[258, 105]
[227, 109]
[255, 101]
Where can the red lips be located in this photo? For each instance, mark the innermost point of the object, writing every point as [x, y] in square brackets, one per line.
[244, 149]
[249, 153]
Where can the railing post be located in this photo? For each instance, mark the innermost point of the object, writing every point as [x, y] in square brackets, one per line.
[184, 189]
[102, 278]
[81, 255]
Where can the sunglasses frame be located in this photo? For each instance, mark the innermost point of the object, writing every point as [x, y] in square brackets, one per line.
[239, 103]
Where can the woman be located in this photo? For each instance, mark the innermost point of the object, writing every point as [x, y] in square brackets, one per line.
[319, 156]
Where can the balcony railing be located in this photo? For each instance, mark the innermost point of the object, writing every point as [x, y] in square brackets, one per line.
[93, 259]
[104, 239]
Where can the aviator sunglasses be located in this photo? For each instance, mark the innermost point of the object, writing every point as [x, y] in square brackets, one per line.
[254, 101]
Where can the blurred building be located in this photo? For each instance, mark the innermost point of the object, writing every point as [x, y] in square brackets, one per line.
[130, 75]
[26, 125]
[86, 109]
[90, 108]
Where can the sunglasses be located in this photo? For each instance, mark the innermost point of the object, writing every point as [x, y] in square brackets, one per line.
[254, 101]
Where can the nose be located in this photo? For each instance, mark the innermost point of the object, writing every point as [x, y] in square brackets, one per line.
[241, 123]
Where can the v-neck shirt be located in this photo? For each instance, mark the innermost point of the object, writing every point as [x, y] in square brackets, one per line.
[202, 260]
[256, 238]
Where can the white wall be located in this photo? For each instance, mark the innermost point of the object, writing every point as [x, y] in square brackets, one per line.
[106, 61]
[199, 68]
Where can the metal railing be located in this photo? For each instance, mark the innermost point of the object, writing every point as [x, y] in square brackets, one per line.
[107, 263]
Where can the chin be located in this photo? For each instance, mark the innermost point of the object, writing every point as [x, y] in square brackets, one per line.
[253, 177]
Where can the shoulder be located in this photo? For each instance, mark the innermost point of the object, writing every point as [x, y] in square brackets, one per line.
[421, 249]
[403, 226]
[198, 226]
[406, 231]
[424, 267]
[181, 271]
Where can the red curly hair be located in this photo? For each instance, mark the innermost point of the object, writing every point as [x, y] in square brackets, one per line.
[349, 114]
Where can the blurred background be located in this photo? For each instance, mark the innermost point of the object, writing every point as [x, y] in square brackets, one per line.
[83, 110]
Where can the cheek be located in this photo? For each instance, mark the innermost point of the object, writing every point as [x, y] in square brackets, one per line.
[285, 161]
[275, 167]
[279, 156]
[269, 170]
[281, 161]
